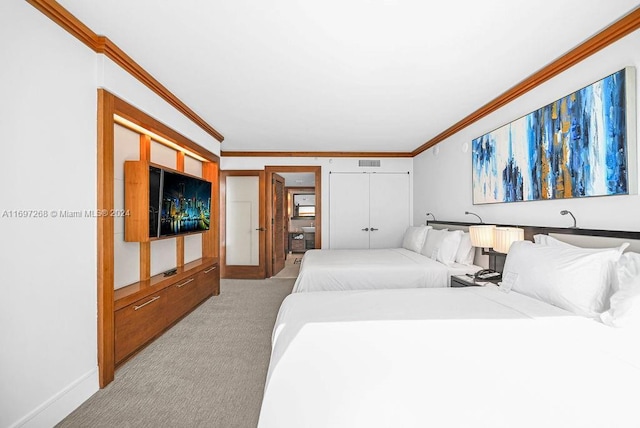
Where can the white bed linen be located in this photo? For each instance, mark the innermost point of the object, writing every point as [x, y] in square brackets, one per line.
[467, 357]
[335, 270]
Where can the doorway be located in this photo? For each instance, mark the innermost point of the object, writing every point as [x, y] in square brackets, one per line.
[283, 216]
[242, 231]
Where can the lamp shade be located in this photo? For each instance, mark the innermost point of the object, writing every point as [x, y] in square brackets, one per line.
[505, 236]
[482, 235]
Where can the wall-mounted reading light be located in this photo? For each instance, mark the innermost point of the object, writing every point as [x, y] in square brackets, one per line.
[565, 212]
[430, 214]
[470, 213]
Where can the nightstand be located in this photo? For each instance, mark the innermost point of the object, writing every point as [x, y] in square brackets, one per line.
[466, 281]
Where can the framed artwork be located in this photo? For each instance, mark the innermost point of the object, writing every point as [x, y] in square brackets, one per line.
[578, 146]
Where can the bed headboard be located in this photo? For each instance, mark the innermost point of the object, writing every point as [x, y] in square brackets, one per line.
[588, 238]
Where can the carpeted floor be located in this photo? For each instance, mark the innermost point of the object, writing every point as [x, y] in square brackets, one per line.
[207, 371]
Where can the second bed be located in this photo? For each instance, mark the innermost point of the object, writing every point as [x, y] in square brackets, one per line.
[336, 270]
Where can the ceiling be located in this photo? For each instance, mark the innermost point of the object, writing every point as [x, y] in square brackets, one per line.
[357, 75]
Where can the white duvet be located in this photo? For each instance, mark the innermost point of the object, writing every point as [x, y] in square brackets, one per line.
[468, 357]
[334, 270]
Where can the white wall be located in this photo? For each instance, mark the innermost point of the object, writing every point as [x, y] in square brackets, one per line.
[48, 360]
[48, 82]
[328, 165]
[120, 83]
[442, 181]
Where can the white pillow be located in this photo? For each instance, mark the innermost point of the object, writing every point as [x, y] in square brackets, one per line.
[449, 247]
[466, 252]
[625, 303]
[571, 278]
[553, 242]
[414, 237]
[432, 243]
[549, 240]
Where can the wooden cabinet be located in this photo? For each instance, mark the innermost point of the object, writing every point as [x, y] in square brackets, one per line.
[186, 294]
[145, 309]
[296, 245]
[183, 295]
[210, 281]
[309, 241]
[139, 322]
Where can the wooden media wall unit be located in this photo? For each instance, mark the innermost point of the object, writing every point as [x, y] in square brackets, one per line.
[131, 315]
[145, 309]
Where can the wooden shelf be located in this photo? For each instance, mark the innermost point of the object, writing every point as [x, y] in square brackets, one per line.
[138, 290]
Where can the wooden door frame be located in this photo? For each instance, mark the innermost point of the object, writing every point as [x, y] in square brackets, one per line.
[269, 171]
[274, 233]
[241, 272]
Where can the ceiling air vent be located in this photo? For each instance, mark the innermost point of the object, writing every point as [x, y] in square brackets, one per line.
[369, 162]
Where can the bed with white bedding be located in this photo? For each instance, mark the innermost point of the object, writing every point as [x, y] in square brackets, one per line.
[444, 357]
[334, 270]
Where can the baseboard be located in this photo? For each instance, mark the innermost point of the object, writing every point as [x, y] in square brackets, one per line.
[61, 404]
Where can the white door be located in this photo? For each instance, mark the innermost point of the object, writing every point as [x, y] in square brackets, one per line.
[243, 236]
[348, 210]
[389, 202]
[368, 210]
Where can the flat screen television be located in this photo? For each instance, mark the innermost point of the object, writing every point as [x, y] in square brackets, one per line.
[178, 203]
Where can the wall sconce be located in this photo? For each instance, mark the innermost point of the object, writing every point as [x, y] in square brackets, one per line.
[503, 237]
[575, 223]
[470, 213]
[430, 214]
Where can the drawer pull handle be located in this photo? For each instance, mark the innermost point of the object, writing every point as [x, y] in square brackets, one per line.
[209, 270]
[184, 283]
[135, 308]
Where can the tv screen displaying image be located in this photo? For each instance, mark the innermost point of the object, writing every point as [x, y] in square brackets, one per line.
[186, 204]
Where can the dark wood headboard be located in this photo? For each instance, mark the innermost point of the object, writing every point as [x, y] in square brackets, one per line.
[576, 236]
[529, 231]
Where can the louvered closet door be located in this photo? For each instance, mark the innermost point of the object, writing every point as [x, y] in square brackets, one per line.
[389, 203]
[348, 210]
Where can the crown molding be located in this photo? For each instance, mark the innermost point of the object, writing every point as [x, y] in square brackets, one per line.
[102, 45]
[317, 154]
[624, 26]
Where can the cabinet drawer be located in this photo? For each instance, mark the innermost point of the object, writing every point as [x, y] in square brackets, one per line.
[138, 323]
[209, 281]
[182, 297]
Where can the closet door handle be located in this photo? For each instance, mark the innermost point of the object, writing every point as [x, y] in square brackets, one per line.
[261, 229]
[366, 229]
[373, 229]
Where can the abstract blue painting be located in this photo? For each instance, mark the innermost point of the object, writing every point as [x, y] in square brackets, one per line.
[574, 147]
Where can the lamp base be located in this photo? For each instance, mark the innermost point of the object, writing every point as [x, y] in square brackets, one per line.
[496, 259]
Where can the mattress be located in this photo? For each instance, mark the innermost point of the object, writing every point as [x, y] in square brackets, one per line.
[451, 357]
[335, 270]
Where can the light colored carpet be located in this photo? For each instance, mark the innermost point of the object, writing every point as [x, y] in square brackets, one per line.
[207, 371]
